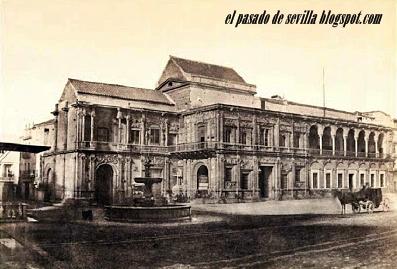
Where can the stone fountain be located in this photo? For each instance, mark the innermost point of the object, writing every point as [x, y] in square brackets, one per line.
[146, 208]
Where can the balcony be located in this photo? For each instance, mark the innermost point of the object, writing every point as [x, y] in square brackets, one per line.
[207, 148]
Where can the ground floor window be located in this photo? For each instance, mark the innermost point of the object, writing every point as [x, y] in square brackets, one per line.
[315, 184]
[372, 180]
[328, 180]
[228, 177]
[340, 180]
[362, 180]
[297, 174]
[382, 180]
[244, 181]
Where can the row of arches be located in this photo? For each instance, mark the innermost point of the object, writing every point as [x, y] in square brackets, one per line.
[375, 144]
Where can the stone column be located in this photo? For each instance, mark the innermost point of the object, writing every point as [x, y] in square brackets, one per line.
[55, 113]
[356, 143]
[83, 125]
[221, 126]
[92, 126]
[127, 131]
[237, 138]
[237, 175]
[119, 117]
[254, 127]
[344, 144]
[366, 144]
[291, 141]
[276, 137]
[376, 146]
[333, 135]
[143, 119]
[320, 132]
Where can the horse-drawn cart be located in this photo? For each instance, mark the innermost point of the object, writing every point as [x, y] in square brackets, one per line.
[366, 200]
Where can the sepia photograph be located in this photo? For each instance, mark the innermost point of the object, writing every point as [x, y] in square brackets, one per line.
[198, 134]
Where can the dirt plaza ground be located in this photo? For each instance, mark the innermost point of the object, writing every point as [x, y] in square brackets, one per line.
[273, 234]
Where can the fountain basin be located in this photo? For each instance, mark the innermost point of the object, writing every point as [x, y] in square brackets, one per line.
[147, 214]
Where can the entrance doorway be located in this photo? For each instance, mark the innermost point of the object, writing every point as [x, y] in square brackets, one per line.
[103, 185]
[264, 175]
[351, 179]
[202, 179]
[49, 186]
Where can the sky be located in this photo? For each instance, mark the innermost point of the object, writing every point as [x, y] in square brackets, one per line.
[45, 42]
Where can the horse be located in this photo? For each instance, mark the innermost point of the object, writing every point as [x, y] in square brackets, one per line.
[349, 197]
[344, 198]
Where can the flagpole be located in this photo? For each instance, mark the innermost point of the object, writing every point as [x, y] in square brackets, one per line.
[323, 93]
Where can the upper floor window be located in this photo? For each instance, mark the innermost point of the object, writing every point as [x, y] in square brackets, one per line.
[282, 141]
[135, 137]
[154, 137]
[103, 134]
[227, 135]
[171, 139]
[243, 137]
[264, 137]
[296, 140]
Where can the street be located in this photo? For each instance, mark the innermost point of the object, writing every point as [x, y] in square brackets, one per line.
[210, 240]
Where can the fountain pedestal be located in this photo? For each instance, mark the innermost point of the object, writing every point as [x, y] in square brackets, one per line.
[145, 211]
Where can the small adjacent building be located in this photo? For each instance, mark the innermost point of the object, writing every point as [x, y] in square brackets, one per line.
[209, 136]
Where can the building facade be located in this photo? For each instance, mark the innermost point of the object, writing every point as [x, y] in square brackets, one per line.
[209, 136]
[30, 164]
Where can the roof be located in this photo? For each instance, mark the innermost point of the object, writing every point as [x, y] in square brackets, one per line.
[4, 146]
[119, 91]
[47, 122]
[207, 70]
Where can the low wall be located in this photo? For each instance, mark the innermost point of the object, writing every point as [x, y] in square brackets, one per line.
[147, 214]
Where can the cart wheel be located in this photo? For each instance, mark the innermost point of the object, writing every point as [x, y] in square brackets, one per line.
[370, 207]
[356, 208]
[386, 204]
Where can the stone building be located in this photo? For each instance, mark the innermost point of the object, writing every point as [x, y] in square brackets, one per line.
[30, 164]
[209, 135]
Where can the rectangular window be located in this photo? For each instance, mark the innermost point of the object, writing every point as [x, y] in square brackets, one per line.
[297, 174]
[328, 180]
[362, 180]
[171, 139]
[134, 137]
[103, 134]
[315, 180]
[243, 137]
[228, 174]
[267, 137]
[296, 140]
[382, 180]
[262, 136]
[154, 138]
[244, 181]
[228, 177]
[282, 140]
[340, 180]
[227, 135]
[372, 180]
